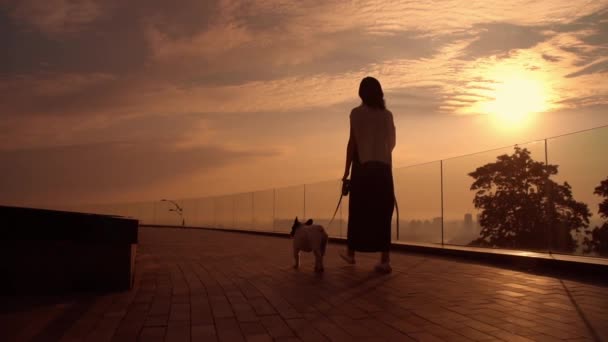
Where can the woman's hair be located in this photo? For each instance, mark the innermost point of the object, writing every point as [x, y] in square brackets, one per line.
[370, 92]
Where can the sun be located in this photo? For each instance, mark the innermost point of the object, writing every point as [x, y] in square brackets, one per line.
[515, 99]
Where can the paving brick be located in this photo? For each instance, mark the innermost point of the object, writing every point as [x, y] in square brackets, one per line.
[331, 330]
[152, 334]
[203, 333]
[179, 312]
[228, 330]
[262, 306]
[260, 338]
[220, 307]
[474, 334]
[425, 337]
[507, 336]
[178, 331]
[305, 330]
[276, 326]
[156, 320]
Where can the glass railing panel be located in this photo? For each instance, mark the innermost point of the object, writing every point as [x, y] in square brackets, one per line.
[321, 201]
[206, 212]
[583, 163]
[243, 210]
[146, 213]
[103, 209]
[132, 210]
[289, 203]
[189, 211]
[110, 209]
[263, 210]
[224, 212]
[418, 195]
[506, 227]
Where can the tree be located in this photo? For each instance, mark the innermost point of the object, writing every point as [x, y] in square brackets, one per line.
[521, 207]
[598, 243]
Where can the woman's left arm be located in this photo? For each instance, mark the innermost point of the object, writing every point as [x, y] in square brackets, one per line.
[350, 151]
[392, 136]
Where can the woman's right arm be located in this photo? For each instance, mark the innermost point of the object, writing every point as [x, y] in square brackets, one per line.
[350, 152]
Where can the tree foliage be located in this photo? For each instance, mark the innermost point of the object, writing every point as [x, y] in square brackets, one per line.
[596, 240]
[521, 207]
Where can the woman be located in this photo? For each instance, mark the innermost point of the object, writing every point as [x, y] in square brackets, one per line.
[369, 151]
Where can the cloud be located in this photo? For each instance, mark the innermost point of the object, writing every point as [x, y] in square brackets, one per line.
[56, 17]
[588, 36]
[595, 68]
[415, 101]
[52, 93]
[551, 58]
[501, 38]
[68, 172]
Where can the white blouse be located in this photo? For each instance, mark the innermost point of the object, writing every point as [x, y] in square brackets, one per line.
[374, 133]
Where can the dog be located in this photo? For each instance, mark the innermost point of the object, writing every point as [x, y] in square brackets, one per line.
[309, 237]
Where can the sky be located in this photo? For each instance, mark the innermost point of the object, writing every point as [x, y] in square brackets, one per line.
[115, 101]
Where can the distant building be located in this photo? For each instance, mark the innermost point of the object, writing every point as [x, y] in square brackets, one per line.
[468, 222]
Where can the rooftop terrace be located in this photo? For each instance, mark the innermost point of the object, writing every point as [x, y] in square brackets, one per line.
[201, 285]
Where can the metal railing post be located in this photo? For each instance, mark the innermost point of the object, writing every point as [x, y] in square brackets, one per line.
[304, 216]
[233, 211]
[154, 212]
[214, 213]
[442, 213]
[549, 204]
[340, 219]
[252, 211]
[274, 208]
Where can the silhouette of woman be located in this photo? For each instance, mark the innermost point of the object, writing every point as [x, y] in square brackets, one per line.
[369, 152]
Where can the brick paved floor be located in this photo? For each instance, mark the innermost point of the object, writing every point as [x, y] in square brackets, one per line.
[196, 285]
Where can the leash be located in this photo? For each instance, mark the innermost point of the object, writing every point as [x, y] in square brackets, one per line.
[336, 211]
[340, 202]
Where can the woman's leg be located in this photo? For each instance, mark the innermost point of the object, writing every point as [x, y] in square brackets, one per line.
[349, 257]
[384, 266]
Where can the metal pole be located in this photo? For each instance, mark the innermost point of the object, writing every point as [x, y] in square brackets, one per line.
[154, 212]
[340, 219]
[550, 205]
[252, 211]
[304, 216]
[214, 212]
[442, 215]
[274, 205]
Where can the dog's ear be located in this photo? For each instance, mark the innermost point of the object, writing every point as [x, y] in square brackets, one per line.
[309, 222]
[295, 225]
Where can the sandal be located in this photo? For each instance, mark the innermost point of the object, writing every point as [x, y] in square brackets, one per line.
[384, 268]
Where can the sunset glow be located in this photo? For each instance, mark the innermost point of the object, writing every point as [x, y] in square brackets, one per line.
[182, 100]
[515, 100]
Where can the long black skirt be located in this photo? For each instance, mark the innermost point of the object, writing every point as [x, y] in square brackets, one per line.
[370, 210]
